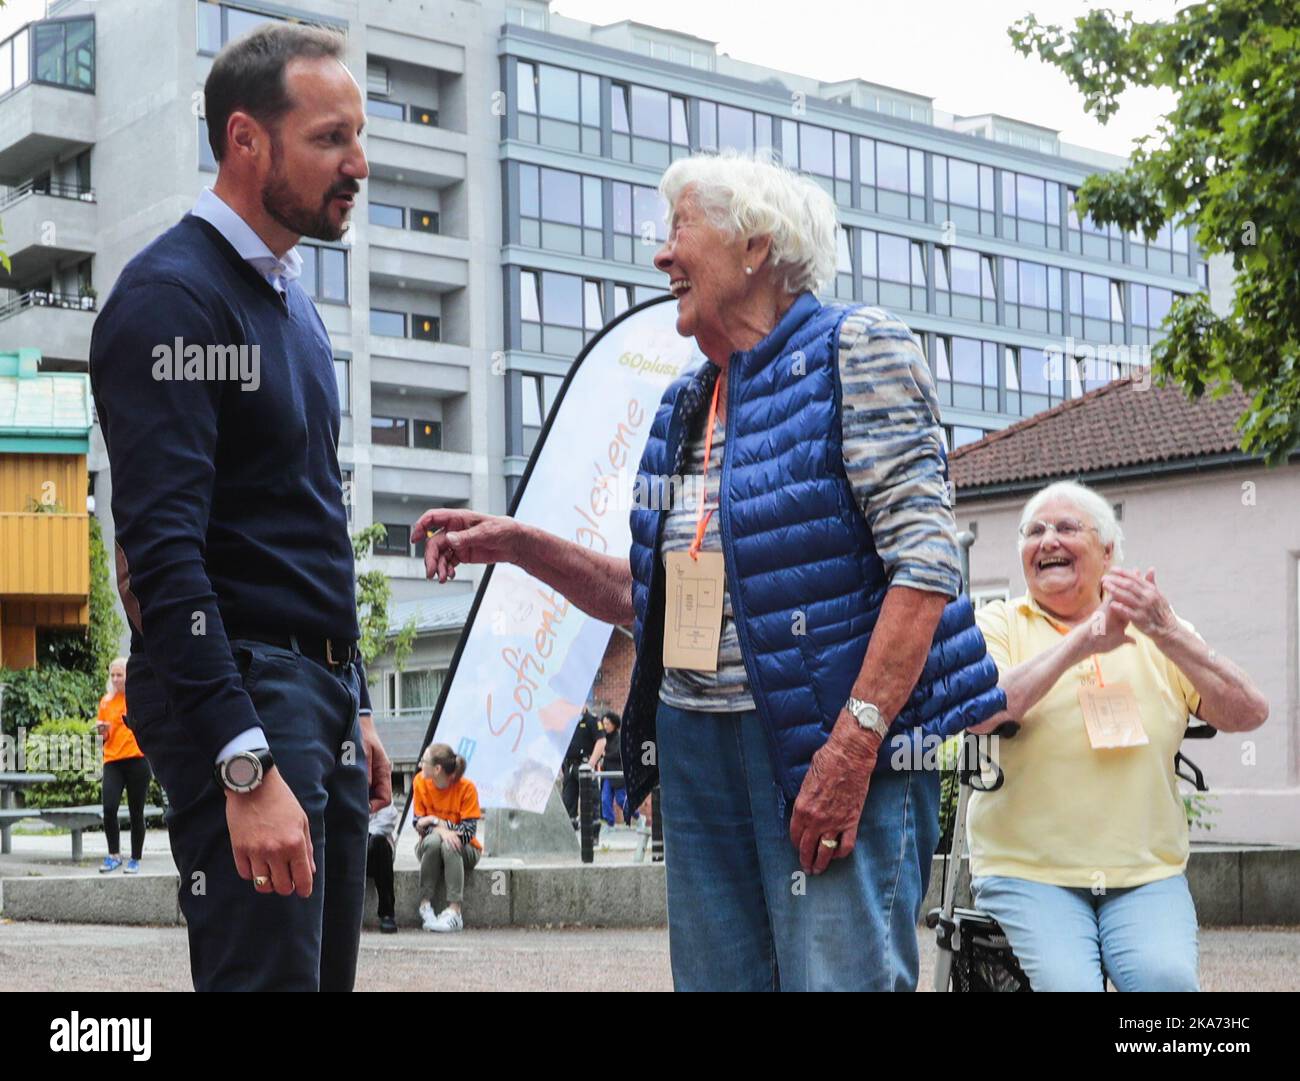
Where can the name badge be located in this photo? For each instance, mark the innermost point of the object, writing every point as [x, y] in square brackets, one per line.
[1111, 716]
[693, 610]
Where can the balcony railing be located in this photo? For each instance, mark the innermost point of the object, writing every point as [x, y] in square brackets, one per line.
[39, 298]
[45, 187]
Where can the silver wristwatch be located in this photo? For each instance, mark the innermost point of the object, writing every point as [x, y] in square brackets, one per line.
[868, 716]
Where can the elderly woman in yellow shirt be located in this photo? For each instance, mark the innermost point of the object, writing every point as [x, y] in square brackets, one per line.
[1081, 855]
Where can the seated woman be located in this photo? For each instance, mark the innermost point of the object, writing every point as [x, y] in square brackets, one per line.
[1081, 854]
[446, 818]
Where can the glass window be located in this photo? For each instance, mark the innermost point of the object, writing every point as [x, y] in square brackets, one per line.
[561, 197]
[790, 144]
[648, 206]
[891, 167]
[622, 298]
[1076, 292]
[526, 87]
[386, 214]
[735, 128]
[916, 170]
[341, 379]
[592, 211]
[1096, 297]
[963, 183]
[1140, 306]
[650, 113]
[426, 434]
[622, 208]
[390, 323]
[529, 310]
[762, 131]
[967, 361]
[390, 110]
[680, 134]
[1159, 302]
[530, 205]
[618, 108]
[965, 272]
[1116, 303]
[240, 22]
[593, 308]
[557, 92]
[869, 254]
[1053, 203]
[817, 150]
[1033, 284]
[708, 126]
[918, 263]
[209, 29]
[986, 187]
[942, 369]
[867, 161]
[940, 177]
[388, 432]
[334, 274]
[591, 100]
[843, 156]
[843, 258]
[894, 259]
[941, 259]
[986, 277]
[1009, 193]
[308, 279]
[1031, 203]
[561, 299]
[1054, 288]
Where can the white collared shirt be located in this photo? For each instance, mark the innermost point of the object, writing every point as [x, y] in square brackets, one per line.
[279, 271]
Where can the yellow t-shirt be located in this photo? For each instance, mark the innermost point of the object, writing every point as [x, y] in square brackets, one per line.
[1067, 812]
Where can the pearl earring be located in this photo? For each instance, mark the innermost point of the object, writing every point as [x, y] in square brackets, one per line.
[749, 270]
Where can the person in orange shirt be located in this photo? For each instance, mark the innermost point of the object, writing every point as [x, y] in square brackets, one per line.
[125, 768]
[446, 818]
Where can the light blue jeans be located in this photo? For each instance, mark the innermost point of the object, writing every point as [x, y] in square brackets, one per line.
[742, 916]
[1144, 936]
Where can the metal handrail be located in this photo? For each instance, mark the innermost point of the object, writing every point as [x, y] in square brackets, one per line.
[40, 298]
[45, 187]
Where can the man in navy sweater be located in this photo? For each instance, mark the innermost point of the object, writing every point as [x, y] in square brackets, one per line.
[214, 381]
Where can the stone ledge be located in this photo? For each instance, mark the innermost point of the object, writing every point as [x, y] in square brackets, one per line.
[1231, 886]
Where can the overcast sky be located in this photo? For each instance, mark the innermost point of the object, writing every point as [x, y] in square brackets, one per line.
[955, 51]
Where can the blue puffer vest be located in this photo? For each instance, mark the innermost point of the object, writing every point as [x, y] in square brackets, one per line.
[798, 554]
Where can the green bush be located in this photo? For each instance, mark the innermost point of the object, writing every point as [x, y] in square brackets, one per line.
[71, 751]
[33, 696]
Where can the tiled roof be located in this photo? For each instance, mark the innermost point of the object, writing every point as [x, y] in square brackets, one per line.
[1117, 426]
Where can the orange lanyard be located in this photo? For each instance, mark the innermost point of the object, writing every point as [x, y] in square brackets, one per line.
[1061, 631]
[702, 519]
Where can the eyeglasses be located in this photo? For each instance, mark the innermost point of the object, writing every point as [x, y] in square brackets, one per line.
[1065, 528]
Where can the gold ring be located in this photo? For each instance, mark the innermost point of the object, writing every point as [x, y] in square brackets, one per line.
[260, 881]
[830, 842]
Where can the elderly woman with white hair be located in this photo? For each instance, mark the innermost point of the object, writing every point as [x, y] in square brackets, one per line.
[798, 824]
[1081, 854]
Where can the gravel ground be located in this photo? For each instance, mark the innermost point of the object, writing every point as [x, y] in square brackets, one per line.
[86, 957]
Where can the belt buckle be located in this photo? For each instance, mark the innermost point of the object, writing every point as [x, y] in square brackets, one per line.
[329, 653]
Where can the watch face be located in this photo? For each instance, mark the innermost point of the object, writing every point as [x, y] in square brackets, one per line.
[241, 771]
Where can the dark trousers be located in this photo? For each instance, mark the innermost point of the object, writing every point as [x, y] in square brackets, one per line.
[379, 866]
[241, 939]
[131, 775]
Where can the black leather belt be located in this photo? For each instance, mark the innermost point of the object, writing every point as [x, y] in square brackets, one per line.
[331, 652]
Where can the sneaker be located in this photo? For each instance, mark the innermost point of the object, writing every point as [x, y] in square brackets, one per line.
[132, 867]
[427, 916]
[449, 920]
[387, 925]
[111, 863]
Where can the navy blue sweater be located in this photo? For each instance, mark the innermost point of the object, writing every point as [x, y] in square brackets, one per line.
[227, 501]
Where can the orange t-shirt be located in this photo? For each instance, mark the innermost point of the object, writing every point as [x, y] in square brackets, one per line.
[120, 742]
[452, 804]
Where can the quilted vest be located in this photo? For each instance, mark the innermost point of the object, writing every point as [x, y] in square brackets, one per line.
[805, 580]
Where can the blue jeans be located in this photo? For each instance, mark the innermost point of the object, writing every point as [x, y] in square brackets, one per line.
[742, 916]
[1145, 936]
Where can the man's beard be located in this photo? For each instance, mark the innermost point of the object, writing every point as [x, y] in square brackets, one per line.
[280, 201]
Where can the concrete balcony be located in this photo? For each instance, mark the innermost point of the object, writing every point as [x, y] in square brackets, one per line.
[416, 475]
[45, 557]
[405, 258]
[43, 231]
[58, 326]
[444, 377]
[414, 153]
[40, 123]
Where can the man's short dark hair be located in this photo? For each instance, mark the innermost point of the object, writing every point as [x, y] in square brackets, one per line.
[248, 74]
